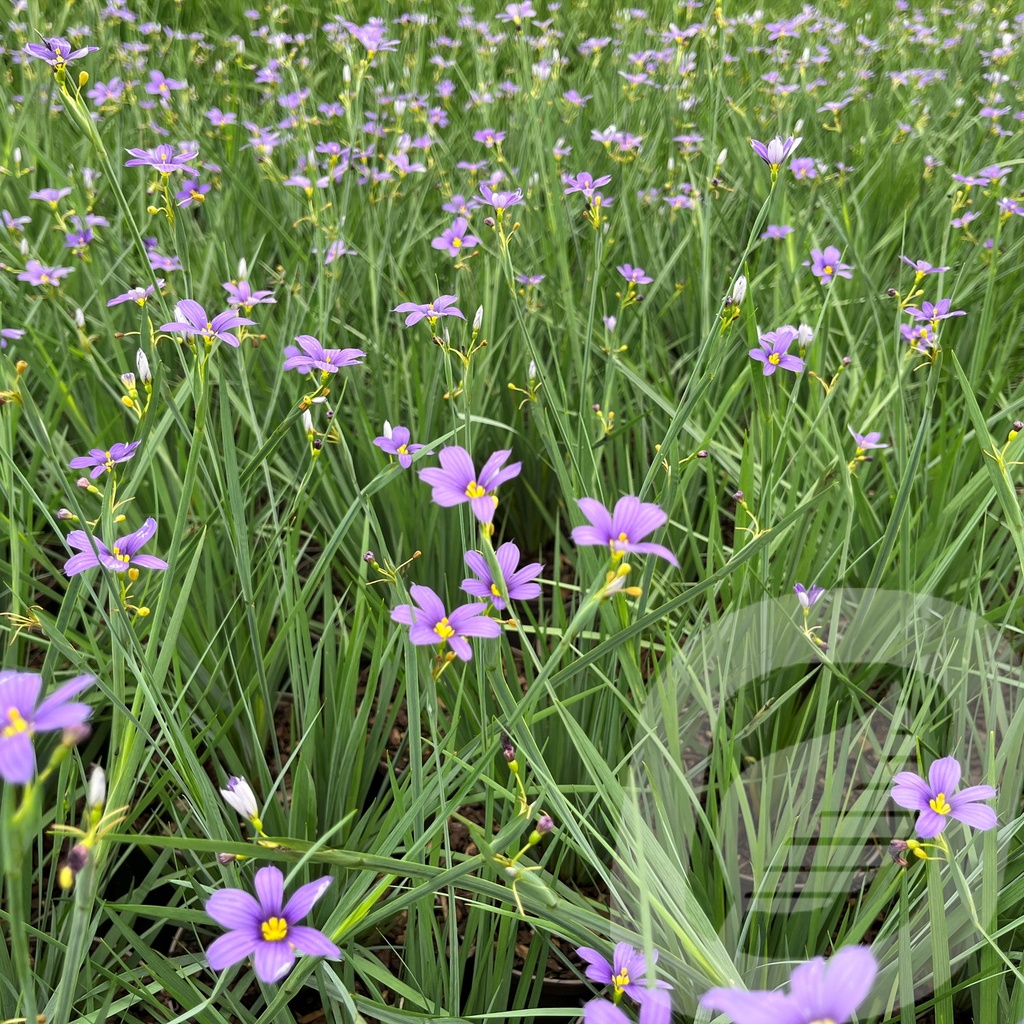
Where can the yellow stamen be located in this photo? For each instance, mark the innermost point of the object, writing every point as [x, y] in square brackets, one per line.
[116, 552]
[456, 242]
[621, 980]
[444, 630]
[17, 724]
[274, 929]
[939, 804]
[775, 359]
[828, 271]
[494, 590]
[474, 490]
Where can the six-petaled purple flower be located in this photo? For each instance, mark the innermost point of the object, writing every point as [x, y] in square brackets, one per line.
[626, 973]
[444, 305]
[456, 481]
[429, 624]
[808, 597]
[826, 265]
[622, 530]
[124, 555]
[395, 441]
[57, 52]
[774, 351]
[22, 715]
[265, 927]
[195, 322]
[311, 355]
[519, 582]
[938, 801]
[866, 442]
[456, 238]
[104, 460]
[775, 151]
[634, 275]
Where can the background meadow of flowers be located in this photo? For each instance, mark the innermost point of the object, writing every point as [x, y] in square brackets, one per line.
[319, 168]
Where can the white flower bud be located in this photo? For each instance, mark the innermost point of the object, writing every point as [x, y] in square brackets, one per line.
[23, 246]
[387, 430]
[671, 164]
[128, 380]
[400, 107]
[531, 371]
[307, 424]
[798, 127]
[478, 318]
[739, 289]
[243, 270]
[17, 154]
[80, 319]
[97, 793]
[346, 74]
[721, 158]
[805, 335]
[142, 365]
[240, 797]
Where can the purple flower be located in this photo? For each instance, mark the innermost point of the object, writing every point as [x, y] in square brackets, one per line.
[456, 481]
[444, 305]
[429, 624]
[158, 262]
[774, 349]
[934, 313]
[123, 556]
[240, 294]
[826, 265]
[106, 92]
[489, 137]
[517, 13]
[159, 85]
[865, 442]
[195, 322]
[777, 231]
[265, 928]
[634, 275]
[15, 223]
[192, 192]
[165, 158]
[774, 152]
[655, 1009]
[626, 971]
[311, 355]
[21, 715]
[50, 196]
[808, 598]
[518, 582]
[585, 183]
[818, 992]
[803, 168]
[218, 119]
[10, 334]
[103, 461]
[501, 201]
[622, 529]
[923, 267]
[137, 295]
[938, 801]
[36, 274]
[920, 336]
[456, 238]
[57, 52]
[395, 441]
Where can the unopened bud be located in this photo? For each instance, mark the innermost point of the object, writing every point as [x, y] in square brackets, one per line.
[142, 365]
[128, 380]
[65, 513]
[83, 482]
[545, 823]
[243, 270]
[805, 335]
[1018, 426]
[346, 74]
[721, 158]
[97, 793]
[478, 318]
[75, 734]
[80, 319]
[738, 496]
[307, 423]
[508, 751]
[240, 798]
[133, 575]
[739, 289]
[23, 246]
[318, 443]
[387, 430]
[83, 78]
[489, 221]
[702, 454]
[531, 371]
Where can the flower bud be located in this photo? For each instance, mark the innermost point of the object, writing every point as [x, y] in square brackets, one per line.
[97, 793]
[478, 318]
[738, 496]
[545, 823]
[307, 423]
[702, 454]
[721, 157]
[805, 335]
[531, 371]
[239, 797]
[83, 482]
[739, 289]
[128, 380]
[369, 558]
[65, 513]
[346, 74]
[80, 319]
[23, 246]
[243, 270]
[142, 365]
[387, 430]
[75, 734]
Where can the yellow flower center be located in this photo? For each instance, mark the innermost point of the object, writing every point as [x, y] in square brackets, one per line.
[775, 359]
[621, 980]
[494, 590]
[327, 358]
[116, 552]
[474, 490]
[45, 278]
[939, 804]
[16, 725]
[828, 269]
[402, 450]
[456, 243]
[274, 929]
[444, 630]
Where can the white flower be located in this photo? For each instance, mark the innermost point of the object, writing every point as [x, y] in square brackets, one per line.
[240, 797]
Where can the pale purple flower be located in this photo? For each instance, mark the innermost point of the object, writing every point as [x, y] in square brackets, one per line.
[938, 801]
[634, 275]
[866, 442]
[10, 334]
[444, 305]
[120, 558]
[106, 92]
[218, 119]
[160, 85]
[57, 52]
[517, 13]
[826, 265]
[456, 481]
[22, 715]
[518, 581]
[626, 972]
[196, 323]
[13, 223]
[774, 351]
[808, 598]
[456, 238]
[819, 992]
[776, 231]
[50, 196]
[934, 312]
[395, 441]
[103, 461]
[136, 295]
[311, 355]
[803, 168]
[775, 151]
[36, 274]
[265, 928]
[585, 183]
[159, 262]
[164, 158]
[490, 137]
[191, 192]
[429, 624]
[241, 295]
[623, 529]
[923, 267]
[501, 201]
